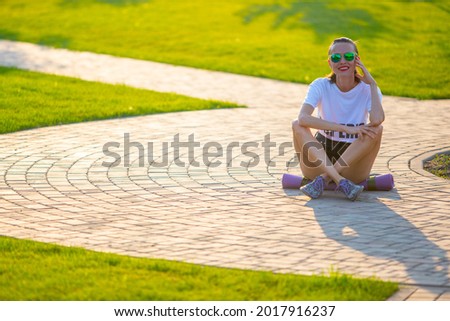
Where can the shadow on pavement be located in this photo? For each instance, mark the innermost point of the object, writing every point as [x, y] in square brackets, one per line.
[371, 227]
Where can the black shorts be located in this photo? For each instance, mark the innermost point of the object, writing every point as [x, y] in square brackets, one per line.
[334, 149]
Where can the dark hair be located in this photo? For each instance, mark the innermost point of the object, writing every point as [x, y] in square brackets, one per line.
[332, 75]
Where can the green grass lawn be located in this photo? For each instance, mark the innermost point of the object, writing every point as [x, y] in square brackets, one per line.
[405, 44]
[38, 271]
[29, 100]
[439, 165]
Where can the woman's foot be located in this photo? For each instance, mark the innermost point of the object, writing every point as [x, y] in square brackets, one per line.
[315, 188]
[350, 189]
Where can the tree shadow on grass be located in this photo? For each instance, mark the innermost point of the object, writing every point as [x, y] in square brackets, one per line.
[325, 19]
[6, 70]
[118, 3]
[46, 40]
[371, 227]
[8, 34]
[54, 40]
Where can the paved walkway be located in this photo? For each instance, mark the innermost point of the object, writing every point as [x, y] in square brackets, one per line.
[54, 187]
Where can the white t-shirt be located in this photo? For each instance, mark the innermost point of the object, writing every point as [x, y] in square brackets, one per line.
[346, 108]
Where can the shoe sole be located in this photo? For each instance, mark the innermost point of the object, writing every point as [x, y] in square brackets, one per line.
[357, 194]
[309, 195]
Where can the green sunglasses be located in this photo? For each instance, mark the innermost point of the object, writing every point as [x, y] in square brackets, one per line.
[336, 57]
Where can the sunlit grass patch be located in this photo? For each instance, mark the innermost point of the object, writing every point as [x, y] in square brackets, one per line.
[38, 271]
[30, 100]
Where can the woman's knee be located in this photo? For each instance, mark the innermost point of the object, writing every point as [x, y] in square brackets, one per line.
[299, 129]
[295, 125]
[378, 132]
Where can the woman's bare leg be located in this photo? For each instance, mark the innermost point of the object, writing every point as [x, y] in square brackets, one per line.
[356, 162]
[312, 157]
